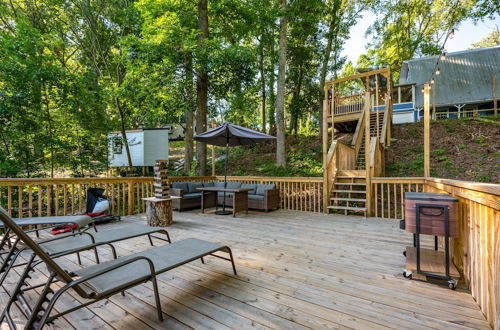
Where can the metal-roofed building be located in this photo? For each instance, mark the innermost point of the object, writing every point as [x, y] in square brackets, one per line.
[464, 86]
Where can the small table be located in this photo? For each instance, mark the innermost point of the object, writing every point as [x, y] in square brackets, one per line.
[159, 211]
[240, 198]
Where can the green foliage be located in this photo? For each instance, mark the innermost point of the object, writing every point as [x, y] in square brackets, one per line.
[492, 39]
[407, 29]
[70, 73]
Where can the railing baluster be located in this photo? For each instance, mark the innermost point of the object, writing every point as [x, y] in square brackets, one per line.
[30, 200]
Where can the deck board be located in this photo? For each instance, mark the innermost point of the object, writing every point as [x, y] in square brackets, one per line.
[296, 270]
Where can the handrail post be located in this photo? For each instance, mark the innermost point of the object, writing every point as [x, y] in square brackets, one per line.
[367, 153]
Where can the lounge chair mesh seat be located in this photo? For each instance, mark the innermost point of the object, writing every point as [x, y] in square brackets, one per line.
[79, 220]
[164, 258]
[77, 243]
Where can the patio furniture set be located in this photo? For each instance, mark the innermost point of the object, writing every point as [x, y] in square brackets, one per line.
[240, 196]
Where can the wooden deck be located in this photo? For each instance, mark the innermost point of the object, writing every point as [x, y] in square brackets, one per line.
[296, 270]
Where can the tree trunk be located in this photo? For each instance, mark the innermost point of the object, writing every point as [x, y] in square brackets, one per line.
[202, 89]
[324, 67]
[189, 114]
[280, 97]
[123, 132]
[263, 83]
[272, 96]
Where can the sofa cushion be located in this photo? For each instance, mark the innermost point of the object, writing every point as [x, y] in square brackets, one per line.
[256, 197]
[208, 184]
[261, 188]
[193, 185]
[192, 195]
[219, 184]
[228, 194]
[180, 185]
[250, 186]
[233, 185]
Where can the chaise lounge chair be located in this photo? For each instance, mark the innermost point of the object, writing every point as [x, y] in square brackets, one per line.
[103, 280]
[79, 221]
[84, 241]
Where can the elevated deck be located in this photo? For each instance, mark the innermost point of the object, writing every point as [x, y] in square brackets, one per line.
[296, 270]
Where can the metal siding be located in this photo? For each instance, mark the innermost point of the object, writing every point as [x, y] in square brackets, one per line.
[155, 146]
[466, 76]
[136, 145]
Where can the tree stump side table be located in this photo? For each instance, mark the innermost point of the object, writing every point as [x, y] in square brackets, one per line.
[159, 211]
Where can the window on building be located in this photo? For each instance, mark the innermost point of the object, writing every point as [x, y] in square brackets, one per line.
[117, 144]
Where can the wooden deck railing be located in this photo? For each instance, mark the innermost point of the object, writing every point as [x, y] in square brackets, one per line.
[66, 196]
[388, 195]
[476, 251]
[297, 193]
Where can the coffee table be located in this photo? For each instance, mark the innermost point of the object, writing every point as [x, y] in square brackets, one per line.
[240, 199]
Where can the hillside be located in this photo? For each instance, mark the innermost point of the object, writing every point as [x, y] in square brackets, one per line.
[466, 149]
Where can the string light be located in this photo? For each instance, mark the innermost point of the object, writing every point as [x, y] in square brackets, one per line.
[443, 56]
[452, 33]
[438, 71]
[433, 81]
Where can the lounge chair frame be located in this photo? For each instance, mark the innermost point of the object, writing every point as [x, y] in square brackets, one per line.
[39, 315]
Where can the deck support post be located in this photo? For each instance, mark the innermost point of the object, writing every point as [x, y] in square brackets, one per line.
[326, 193]
[368, 111]
[427, 165]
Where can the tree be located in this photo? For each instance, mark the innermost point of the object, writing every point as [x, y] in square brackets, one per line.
[340, 16]
[280, 96]
[492, 39]
[202, 88]
[406, 29]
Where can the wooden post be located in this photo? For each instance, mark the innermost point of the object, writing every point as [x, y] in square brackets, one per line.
[434, 100]
[333, 105]
[368, 111]
[427, 166]
[377, 104]
[160, 181]
[326, 193]
[213, 153]
[495, 107]
[389, 108]
[130, 198]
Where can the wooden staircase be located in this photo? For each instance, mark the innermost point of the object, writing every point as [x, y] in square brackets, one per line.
[347, 180]
[349, 192]
[360, 160]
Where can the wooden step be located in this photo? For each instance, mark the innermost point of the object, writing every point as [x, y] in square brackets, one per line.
[349, 191]
[348, 208]
[351, 173]
[348, 199]
[350, 177]
[350, 183]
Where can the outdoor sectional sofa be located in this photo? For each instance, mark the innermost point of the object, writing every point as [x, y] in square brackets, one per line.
[264, 197]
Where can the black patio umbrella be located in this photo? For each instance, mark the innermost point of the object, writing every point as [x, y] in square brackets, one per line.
[230, 135]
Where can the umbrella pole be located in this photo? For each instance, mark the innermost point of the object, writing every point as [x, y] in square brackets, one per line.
[224, 212]
[225, 177]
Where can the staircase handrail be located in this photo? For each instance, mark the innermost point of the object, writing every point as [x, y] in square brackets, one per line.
[357, 139]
